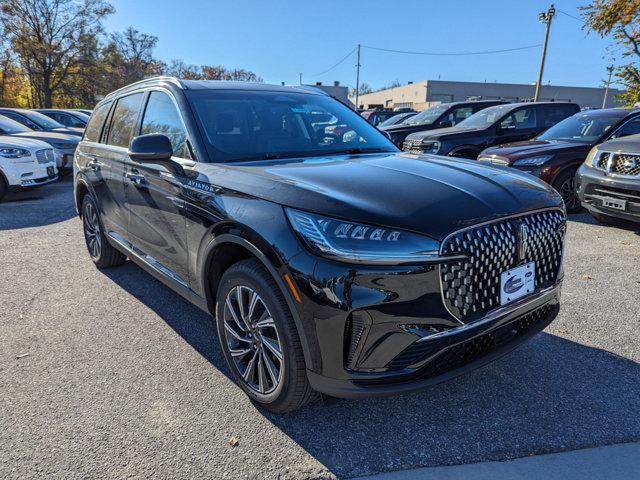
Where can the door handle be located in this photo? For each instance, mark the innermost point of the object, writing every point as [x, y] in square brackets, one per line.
[94, 164]
[137, 179]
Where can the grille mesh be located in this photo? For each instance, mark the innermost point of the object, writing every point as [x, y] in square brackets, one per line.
[471, 287]
[626, 165]
[603, 161]
[44, 156]
[412, 146]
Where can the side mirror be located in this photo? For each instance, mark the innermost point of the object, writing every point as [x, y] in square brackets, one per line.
[154, 148]
[446, 124]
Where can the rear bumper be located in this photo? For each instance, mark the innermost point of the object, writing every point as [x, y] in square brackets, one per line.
[594, 186]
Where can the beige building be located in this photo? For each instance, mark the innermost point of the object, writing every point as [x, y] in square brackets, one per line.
[421, 95]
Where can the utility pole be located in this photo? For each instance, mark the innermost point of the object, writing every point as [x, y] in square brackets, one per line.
[606, 88]
[544, 17]
[358, 77]
[300, 78]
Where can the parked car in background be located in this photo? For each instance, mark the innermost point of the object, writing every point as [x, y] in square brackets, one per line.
[376, 117]
[68, 118]
[496, 125]
[25, 163]
[556, 154]
[608, 182]
[438, 116]
[37, 121]
[397, 119]
[331, 263]
[64, 145]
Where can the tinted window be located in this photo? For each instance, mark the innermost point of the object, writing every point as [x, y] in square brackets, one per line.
[522, 119]
[582, 127]
[161, 116]
[552, 114]
[124, 120]
[20, 119]
[94, 127]
[632, 127]
[429, 115]
[486, 117]
[456, 116]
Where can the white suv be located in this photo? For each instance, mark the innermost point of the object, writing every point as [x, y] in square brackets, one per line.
[25, 163]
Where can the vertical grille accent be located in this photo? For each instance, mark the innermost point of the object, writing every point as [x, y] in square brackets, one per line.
[44, 155]
[471, 287]
[353, 330]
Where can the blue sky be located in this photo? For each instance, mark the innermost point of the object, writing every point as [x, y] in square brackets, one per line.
[278, 39]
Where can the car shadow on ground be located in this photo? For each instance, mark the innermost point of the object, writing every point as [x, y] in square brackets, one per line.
[551, 394]
[46, 205]
[586, 218]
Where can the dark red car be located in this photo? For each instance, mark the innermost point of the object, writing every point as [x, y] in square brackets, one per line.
[556, 154]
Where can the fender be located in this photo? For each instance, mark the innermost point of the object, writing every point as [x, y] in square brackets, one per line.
[207, 254]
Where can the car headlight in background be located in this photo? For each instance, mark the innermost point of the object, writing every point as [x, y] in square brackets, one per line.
[590, 158]
[532, 161]
[357, 243]
[430, 146]
[13, 152]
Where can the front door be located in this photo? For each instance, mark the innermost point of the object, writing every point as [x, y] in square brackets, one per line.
[157, 223]
[519, 125]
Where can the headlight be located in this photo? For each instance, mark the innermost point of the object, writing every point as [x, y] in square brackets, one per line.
[532, 161]
[430, 146]
[357, 243]
[592, 155]
[11, 152]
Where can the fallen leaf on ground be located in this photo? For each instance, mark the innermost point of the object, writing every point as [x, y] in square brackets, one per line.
[584, 276]
[233, 441]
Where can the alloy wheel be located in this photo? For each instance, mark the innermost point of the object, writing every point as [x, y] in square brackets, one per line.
[567, 191]
[252, 340]
[92, 230]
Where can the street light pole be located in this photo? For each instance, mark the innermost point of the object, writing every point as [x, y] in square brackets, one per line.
[358, 77]
[544, 17]
[606, 88]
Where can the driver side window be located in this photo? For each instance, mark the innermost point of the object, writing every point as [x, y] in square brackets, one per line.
[632, 127]
[522, 119]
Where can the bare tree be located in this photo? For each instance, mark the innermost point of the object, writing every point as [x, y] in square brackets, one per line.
[48, 37]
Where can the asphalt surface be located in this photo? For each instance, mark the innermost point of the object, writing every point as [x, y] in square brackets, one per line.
[110, 374]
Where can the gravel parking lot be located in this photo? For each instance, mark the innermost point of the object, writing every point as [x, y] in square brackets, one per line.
[110, 374]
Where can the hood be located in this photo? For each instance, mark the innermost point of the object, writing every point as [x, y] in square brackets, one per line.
[50, 136]
[630, 144]
[517, 150]
[431, 195]
[439, 133]
[17, 142]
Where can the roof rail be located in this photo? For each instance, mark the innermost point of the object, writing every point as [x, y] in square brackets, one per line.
[149, 81]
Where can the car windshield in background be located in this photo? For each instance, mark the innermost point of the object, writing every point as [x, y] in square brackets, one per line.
[241, 125]
[583, 127]
[428, 116]
[486, 117]
[82, 116]
[395, 120]
[41, 119]
[11, 126]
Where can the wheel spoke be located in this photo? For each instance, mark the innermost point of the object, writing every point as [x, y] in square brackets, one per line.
[262, 375]
[273, 346]
[232, 310]
[252, 304]
[250, 367]
[272, 370]
[239, 352]
[235, 334]
[267, 322]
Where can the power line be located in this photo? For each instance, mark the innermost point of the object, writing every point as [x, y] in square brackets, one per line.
[570, 16]
[486, 52]
[339, 63]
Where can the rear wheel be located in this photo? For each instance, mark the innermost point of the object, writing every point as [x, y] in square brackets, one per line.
[259, 338]
[565, 184]
[103, 254]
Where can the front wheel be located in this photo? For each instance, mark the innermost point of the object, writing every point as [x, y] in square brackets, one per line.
[565, 184]
[259, 338]
[102, 253]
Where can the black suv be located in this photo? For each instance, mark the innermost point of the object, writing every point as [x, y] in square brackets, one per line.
[331, 262]
[497, 125]
[439, 116]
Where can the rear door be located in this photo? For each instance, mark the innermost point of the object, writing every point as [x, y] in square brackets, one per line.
[157, 223]
[111, 162]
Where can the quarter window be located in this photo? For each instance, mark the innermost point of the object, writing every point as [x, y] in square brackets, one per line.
[124, 120]
[161, 117]
[522, 119]
[94, 127]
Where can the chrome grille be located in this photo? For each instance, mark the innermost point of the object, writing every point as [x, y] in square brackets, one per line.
[471, 287]
[624, 164]
[412, 146]
[45, 155]
[603, 160]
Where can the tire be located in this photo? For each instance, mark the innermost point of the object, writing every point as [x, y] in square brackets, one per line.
[3, 187]
[565, 185]
[102, 253]
[608, 220]
[279, 385]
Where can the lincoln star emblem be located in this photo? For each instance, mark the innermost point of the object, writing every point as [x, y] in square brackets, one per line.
[523, 241]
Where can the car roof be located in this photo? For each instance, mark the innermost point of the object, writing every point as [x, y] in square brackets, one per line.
[610, 112]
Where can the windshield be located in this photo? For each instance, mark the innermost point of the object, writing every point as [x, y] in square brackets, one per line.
[82, 116]
[583, 127]
[396, 119]
[10, 127]
[258, 125]
[428, 116]
[485, 117]
[42, 120]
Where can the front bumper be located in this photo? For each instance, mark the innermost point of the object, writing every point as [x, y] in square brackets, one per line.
[595, 186]
[29, 174]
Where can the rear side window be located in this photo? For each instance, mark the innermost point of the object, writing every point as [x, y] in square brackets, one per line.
[94, 127]
[552, 114]
[522, 119]
[161, 116]
[123, 120]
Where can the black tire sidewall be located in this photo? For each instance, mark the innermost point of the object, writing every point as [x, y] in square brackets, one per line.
[562, 178]
[243, 274]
